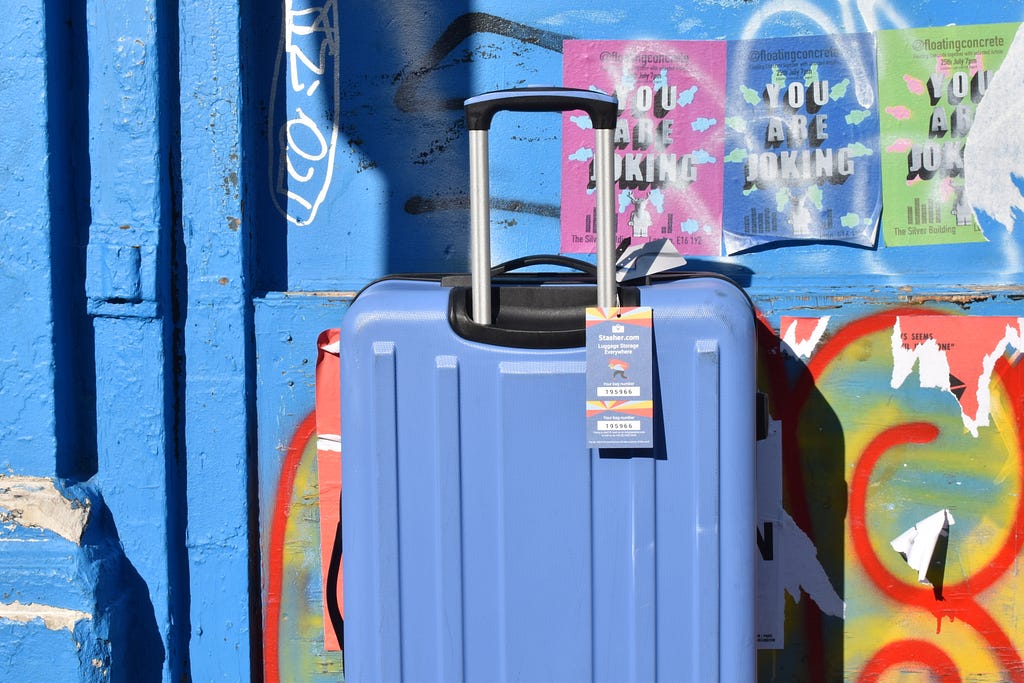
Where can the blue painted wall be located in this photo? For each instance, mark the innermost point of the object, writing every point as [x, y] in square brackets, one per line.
[128, 365]
[164, 276]
[396, 201]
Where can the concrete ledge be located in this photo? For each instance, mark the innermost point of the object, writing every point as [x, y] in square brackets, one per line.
[72, 607]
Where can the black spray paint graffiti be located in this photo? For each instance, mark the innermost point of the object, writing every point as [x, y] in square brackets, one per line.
[303, 146]
[412, 95]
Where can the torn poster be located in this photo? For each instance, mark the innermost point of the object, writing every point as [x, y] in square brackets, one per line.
[788, 560]
[917, 544]
[956, 354]
[642, 260]
[668, 142]
[802, 335]
[930, 83]
[994, 153]
[802, 145]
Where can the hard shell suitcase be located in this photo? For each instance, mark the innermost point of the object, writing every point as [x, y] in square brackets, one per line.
[484, 540]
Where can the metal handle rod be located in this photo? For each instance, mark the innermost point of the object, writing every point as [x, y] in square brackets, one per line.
[479, 112]
[480, 226]
[604, 178]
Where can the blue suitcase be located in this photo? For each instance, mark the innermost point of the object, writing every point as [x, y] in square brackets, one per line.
[484, 540]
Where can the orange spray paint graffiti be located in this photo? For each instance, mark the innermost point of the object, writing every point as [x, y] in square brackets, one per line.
[293, 631]
[300, 633]
[907, 452]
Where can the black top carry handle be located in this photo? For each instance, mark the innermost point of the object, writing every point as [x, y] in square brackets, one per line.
[544, 260]
[602, 108]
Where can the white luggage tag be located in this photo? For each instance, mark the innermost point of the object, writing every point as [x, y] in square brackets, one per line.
[620, 391]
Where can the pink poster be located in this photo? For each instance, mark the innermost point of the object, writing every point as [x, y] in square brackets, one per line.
[669, 142]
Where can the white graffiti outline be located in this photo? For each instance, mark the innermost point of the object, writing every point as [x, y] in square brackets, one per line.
[306, 184]
[867, 11]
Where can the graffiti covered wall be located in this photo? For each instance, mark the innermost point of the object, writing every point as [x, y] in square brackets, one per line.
[867, 454]
[891, 372]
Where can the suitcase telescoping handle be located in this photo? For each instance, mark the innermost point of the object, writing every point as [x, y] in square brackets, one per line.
[480, 110]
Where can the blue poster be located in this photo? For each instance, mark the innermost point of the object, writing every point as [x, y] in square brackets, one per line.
[802, 159]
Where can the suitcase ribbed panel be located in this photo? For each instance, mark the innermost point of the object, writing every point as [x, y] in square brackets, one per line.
[447, 499]
[528, 561]
[483, 561]
[548, 540]
[623, 509]
[385, 650]
[484, 541]
[704, 454]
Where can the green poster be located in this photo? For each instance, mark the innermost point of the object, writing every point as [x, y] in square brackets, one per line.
[930, 81]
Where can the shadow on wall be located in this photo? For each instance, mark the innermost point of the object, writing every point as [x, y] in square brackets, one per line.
[399, 163]
[813, 497]
[124, 608]
[261, 42]
[428, 90]
[69, 182]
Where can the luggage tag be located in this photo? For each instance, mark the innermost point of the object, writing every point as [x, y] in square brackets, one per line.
[620, 391]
